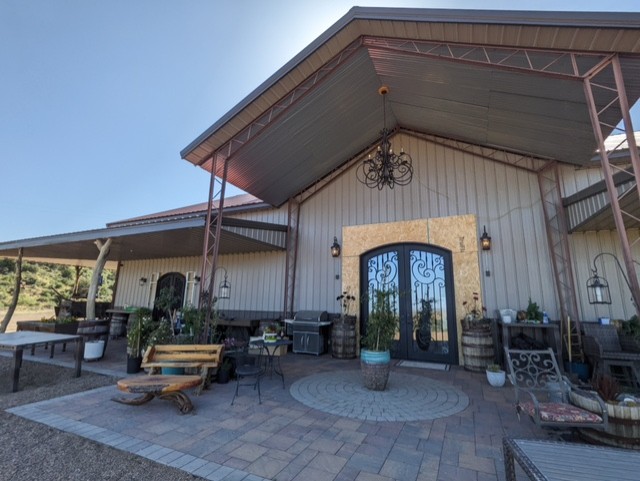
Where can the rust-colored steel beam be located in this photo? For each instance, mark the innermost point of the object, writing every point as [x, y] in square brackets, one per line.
[211, 246]
[558, 241]
[555, 63]
[619, 102]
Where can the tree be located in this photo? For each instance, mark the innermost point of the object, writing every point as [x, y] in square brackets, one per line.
[95, 279]
[16, 293]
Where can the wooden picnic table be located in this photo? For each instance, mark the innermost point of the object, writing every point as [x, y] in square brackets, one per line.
[168, 388]
[16, 342]
[559, 461]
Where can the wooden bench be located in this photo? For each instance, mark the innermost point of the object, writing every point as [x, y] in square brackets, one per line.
[204, 357]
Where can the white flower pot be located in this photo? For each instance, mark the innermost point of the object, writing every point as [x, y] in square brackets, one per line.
[496, 379]
[93, 350]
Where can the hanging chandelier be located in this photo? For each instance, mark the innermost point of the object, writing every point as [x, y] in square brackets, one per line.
[386, 167]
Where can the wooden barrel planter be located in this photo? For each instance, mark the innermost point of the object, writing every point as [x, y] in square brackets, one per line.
[623, 430]
[477, 349]
[343, 338]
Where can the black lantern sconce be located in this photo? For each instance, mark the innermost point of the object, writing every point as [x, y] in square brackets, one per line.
[598, 287]
[335, 248]
[142, 281]
[485, 240]
[224, 289]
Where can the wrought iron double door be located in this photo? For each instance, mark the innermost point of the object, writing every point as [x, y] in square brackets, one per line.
[420, 279]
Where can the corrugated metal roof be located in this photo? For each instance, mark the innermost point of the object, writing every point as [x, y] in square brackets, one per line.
[340, 115]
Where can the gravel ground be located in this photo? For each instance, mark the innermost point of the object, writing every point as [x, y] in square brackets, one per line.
[32, 451]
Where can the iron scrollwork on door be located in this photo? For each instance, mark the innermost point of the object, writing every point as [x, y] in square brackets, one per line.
[428, 293]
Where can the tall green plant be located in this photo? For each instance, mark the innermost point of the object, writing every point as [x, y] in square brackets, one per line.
[140, 326]
[383, 322]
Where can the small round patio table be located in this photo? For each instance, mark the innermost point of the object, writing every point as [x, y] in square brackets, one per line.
[168, 388]
[271, 347]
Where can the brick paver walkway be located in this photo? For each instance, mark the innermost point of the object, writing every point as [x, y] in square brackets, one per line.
[287, 439]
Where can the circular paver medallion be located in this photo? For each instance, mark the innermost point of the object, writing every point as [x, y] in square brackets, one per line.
[407, 398]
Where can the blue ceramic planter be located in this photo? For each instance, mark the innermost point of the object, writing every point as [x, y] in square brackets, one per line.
[173, 371]
[375, 357]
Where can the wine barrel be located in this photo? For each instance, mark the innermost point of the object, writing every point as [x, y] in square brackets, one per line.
[118, 325]
[343, 339]
[477, 349]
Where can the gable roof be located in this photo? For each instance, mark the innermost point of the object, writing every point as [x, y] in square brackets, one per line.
[490, 78]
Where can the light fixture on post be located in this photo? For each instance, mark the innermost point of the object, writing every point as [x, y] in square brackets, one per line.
[485, 240]
[142, 281]
[386, 167]
[335, 247]
[598, 287]
[224, 288]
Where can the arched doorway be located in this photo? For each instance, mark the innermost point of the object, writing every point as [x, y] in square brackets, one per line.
[174, 281]
[421, 277]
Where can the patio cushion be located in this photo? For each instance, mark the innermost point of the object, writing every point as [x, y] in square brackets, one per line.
[561, 413]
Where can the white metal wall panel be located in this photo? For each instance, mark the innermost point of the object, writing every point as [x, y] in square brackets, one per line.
[257, 280]
[131, 293]
[446, 182]
[574, 179]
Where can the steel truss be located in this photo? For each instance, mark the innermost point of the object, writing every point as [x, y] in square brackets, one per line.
[211, 243]
[558, 239]
[609, 79]
[584, 66]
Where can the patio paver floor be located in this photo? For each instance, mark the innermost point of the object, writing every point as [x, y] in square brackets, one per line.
[287, 440]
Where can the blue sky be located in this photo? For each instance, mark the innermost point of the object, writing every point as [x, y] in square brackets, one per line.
[97, 98]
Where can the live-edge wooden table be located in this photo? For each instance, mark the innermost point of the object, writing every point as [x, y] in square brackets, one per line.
[168, 388]
[18, 341]
[543, 460]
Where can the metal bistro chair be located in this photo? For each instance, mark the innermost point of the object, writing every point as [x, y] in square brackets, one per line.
[248, 367]
[542, 392]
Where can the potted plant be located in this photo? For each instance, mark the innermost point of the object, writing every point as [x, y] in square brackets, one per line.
[346, 301]
[224, 371]
[534, 314]
[495, 375]
[381, 330]
[136, 338]
[477, 338]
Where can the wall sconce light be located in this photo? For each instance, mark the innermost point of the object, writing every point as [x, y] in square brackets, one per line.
[335, 248]
[197, 279]
[485, 240]
[142, 281]
[224, 289]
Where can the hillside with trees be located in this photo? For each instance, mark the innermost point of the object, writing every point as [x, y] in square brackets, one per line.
[44, 285]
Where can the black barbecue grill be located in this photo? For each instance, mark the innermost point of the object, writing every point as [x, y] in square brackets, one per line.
[310, 331]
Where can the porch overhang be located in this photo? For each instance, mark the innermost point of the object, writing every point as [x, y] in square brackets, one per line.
[507, 80]
[173, 238]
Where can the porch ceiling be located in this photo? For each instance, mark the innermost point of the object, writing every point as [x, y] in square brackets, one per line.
[149, 241]
[322, 108]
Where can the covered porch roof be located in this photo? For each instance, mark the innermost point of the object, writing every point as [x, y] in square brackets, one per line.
[176, 233]
[507, 80]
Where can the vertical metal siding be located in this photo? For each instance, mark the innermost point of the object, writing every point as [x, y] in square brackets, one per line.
[256, 280]
[446, 182]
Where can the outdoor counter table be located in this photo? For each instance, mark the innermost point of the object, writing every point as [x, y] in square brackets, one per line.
[558, 461]
[18, 341]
